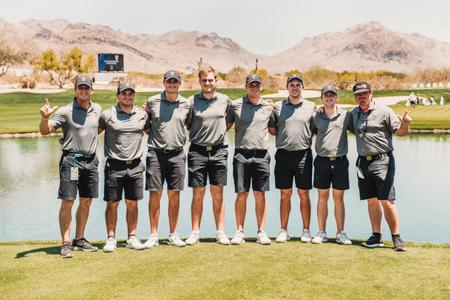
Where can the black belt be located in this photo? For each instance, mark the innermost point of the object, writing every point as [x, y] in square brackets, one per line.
[374, 157]
[125, 162]
[210, 148]
[166, 151]
[294, 151]
[332, 158]
[251, 151]
[78, 156]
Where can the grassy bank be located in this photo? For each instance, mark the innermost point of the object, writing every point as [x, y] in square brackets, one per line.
[19, 112]
[209, 271]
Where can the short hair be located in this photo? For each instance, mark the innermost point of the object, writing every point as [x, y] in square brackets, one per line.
[205, 70]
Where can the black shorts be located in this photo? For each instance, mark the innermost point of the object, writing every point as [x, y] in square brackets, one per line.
[122, 176]
[293, 164]
[251, 167]
[331, 171]
[163, 167]
[203, 164]
[86, 184]
[378, 178]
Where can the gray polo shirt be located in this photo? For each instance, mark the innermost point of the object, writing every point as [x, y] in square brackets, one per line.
[373, 129]
[208, 123]
[294, 124]
[167, 120]
[80, 127]
[251, 123]
[331, 133]
[124, 132]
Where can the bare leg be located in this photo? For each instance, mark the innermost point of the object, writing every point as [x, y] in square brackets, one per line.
[218, 205]
[375, 214]
[132, 216]
[391, 215]
[174, 209]
[240, 207]
[322, 208]
[305, 207]
[285, 207]
[82, 216]
[260, 209]
[111, 217]
[197, 207]
[65, 219]
[339, 209]
[154, 209]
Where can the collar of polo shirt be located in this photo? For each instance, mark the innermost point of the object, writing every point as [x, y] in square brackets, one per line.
[214, 97]
[77, 106]
[119, 110]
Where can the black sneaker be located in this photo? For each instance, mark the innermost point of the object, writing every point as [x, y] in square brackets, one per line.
[398, 244]
[66, 252]
[374, 241]
[83, 245]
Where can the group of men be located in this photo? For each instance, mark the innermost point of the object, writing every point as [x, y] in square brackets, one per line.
[207, 116]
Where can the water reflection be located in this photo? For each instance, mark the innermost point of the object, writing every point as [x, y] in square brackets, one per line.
[29, 208]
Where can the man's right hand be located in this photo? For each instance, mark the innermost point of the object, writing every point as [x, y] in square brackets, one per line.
[47, 110]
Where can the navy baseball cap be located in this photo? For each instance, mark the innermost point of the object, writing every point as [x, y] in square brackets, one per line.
[295, 77]
[123, 86]
[328, 88]
[83, 80]
[172, 75]
[361, 87]
[253, 78]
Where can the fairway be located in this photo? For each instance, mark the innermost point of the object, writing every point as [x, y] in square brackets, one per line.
[19, 112]
[293, 270]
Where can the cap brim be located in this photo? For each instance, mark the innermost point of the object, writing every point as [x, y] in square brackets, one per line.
[324, 92]
[128, 88]
[168, 78]
[251, 81]
[84, 83]
[361, 91]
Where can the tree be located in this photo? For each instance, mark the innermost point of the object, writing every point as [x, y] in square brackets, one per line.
[63, 67]
[237, 75]
[88, 63]
[13, 51]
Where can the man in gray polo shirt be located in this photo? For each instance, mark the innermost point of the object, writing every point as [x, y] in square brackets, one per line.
[373, 126]
[124, 126]
[253, 118]
[294, 129]
[331, 163]
[78, 164]
[166, 162]
[208, 153]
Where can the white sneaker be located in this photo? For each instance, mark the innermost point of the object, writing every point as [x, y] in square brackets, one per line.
[262, 238]
[175, 240]
[193, 238]
[283, 236]
[320, 238]
[111, 245]
[134, 243]
[221, 238]
[152, 241]
[306, 236]
[238, 238]
[342, 238]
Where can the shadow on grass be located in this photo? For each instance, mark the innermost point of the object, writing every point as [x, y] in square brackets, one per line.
[53, 250]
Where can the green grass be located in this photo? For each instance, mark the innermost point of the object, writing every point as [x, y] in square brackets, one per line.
[346, 96]
[34, 270]
[19, 112]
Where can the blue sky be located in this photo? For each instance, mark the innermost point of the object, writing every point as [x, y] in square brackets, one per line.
[263, 27]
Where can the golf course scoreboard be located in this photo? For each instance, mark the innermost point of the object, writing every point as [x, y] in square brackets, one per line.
[110, 62]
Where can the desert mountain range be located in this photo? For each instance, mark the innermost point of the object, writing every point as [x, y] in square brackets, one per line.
[364, 47]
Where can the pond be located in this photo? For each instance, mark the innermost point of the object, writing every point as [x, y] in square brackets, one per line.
[29, 207]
